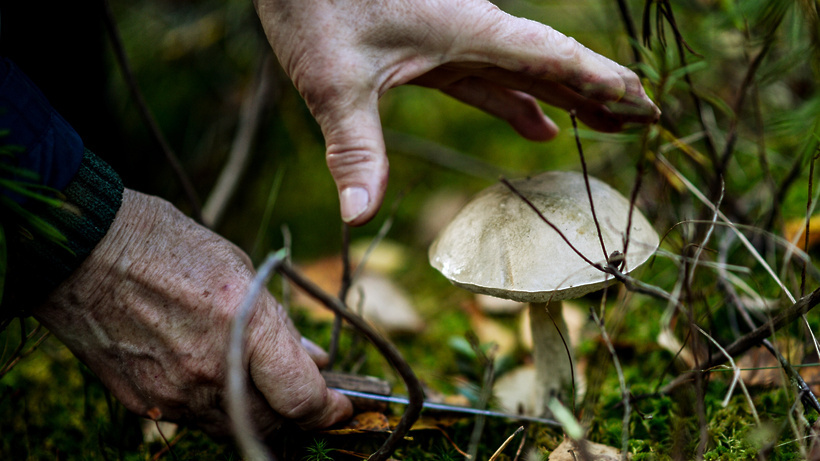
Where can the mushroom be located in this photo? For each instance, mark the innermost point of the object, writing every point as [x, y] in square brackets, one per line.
[497, 245]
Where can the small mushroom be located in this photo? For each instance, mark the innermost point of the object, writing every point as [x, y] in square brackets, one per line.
[497, 245]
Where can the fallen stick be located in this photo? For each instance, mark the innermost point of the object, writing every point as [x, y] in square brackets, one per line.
[751, 339]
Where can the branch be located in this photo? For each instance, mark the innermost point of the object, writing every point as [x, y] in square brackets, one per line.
[145, 112]
[239, 157]
[753, 338]
[388, 350]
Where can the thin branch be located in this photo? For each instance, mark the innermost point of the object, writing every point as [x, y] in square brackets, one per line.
[803, 389]
[506, 442]
[145, 112]
[548, 222]
[586, 183]
[748, 80]
[753, 338]
[18, 353]
[388, 350]
[629, 24]
[237, 407]
[808, 222]
[253, 105]
[621, 383]
[335, 336]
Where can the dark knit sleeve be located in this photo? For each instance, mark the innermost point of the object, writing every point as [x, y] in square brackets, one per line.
[86, 195]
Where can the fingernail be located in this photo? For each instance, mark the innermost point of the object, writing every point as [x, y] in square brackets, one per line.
[354, 201]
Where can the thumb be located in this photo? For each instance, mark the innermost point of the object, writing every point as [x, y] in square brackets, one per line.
[356, 158]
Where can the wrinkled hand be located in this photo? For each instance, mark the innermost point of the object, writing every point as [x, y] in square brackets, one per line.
[343, 55]
[149, 311]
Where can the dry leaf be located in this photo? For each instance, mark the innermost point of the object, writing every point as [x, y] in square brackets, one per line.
[490, 331]
[758, 367]
[793, 231]
[385, 304]
[387, 257]
[568, 451]
[376, 422]
[327, 274]
[369, 421]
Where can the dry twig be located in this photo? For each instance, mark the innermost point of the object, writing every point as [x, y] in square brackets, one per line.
[414, 390]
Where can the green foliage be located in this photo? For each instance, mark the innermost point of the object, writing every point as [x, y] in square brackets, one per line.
[22, 183]
[318, 451]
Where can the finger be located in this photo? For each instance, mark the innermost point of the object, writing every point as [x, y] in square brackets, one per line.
[356, 159]
[596, 115]
[537, 50]
[288, 377]
[316, 353]
[319, 356]
[520, 110]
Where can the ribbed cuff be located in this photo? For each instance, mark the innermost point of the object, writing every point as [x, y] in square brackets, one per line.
[37, 264]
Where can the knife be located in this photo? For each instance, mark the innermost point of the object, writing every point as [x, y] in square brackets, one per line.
[348, 385]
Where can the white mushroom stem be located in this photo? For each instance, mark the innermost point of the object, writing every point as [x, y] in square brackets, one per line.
[553, 359]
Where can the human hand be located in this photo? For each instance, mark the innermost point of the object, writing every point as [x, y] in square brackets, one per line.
[343, 55]
[149, 311]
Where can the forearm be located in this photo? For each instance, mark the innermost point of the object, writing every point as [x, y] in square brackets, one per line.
[46, 243]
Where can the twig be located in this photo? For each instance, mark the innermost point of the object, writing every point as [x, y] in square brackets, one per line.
[250, 115]
[273, 195]
[237, 407]
[165, 439]
[629, 24]
[808, 397]
[633, 197]
[735, 377]
[287, 244]
[335, 335]
[709, 232]
[168, 445]
[723, 217]
[414, 390]
[506, 442]
[586, 183]
[145, 112]
[731, 136]
[521, 445]
[621, 383]
[753, 338]
[808, 226]
[548, 222]
[17, 355]
[488, 361]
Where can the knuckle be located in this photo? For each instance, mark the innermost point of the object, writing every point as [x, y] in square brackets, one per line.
[306, 404]
[564, 48]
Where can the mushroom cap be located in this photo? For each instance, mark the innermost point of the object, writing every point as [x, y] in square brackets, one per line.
[497, 245]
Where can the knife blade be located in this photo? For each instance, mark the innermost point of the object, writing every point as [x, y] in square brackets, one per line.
[445, 407]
